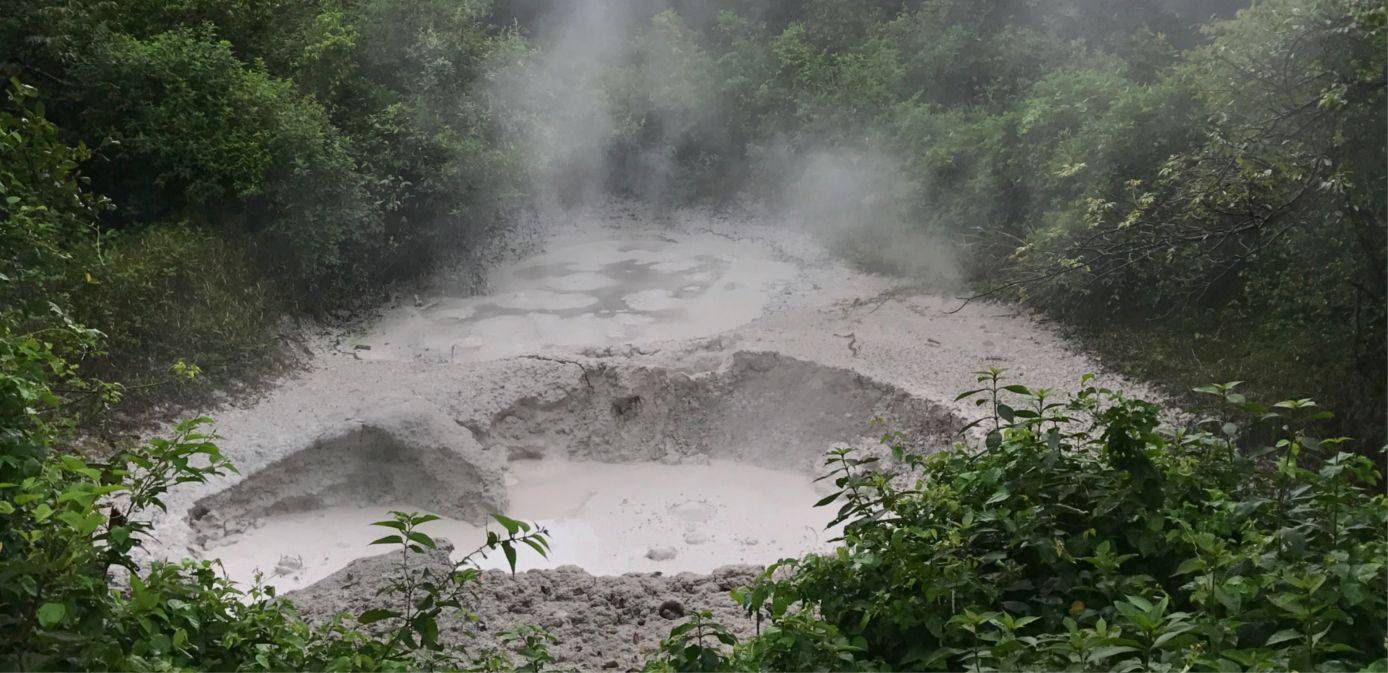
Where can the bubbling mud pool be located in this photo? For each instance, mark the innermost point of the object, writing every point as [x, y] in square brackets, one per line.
[548, 399]
[608, 518]
[629, 468]
[636, 389]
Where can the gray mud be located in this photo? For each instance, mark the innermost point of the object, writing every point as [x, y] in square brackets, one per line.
[757, 410]
[600, 622]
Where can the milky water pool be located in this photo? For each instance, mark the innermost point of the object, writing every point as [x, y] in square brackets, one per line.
[608, 518]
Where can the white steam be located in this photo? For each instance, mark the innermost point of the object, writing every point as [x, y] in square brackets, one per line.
[611, 86]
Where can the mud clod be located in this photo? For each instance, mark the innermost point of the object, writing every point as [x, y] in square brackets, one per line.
[626, 407]
[671, 609]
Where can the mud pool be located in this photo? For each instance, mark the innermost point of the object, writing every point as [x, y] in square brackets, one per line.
[658, 392]
[606, 518]
[590, 294]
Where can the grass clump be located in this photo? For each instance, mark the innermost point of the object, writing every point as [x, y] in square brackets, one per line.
[170, 295]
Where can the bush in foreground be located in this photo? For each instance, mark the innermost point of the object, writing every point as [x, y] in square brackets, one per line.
[74, 597]
[1084, 536]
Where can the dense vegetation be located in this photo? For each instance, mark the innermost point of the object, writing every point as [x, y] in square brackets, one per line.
[1199, 191]
[1085, 537]
[252, 159]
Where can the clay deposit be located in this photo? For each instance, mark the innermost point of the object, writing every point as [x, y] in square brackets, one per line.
[658, 392]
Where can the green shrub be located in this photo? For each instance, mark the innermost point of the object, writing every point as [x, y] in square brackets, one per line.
[66, 523]
[46, 245]
[1265, 227]
[172, 294]
[193, 132]
[1086, 535]
[72, 594]
[46, 214]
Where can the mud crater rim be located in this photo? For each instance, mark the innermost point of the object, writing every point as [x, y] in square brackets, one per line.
[762, 410]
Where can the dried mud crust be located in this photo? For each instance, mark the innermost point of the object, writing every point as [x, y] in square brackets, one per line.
[760, 408]
[601, 623]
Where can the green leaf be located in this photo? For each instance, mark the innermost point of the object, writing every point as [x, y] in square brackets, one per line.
[84, 525]
[50, 614]
[1163, 638]
[1190, 566]
[994, 440]
[511, 525]
[375, 615]
[1100, 653]
[428, 629]
[510, 552]
[421, 538]
[539, 549]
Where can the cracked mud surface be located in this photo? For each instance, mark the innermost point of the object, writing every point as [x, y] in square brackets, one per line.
[600, 381]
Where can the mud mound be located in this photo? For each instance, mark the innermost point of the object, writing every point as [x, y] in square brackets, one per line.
[396, 456]
[762, 409]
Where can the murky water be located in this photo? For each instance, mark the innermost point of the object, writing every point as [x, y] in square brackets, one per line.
[607, 518]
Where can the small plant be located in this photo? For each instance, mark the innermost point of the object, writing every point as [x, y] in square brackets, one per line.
[422, 595]
[699, 644]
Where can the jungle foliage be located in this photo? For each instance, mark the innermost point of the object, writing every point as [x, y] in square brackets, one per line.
[1084, 535]
[1200, 190]
[246, 160]
[1188, 174]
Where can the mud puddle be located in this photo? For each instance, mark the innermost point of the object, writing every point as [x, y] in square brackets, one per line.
[608, 518]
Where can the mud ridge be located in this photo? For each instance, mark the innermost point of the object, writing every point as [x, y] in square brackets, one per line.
[761, 408]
